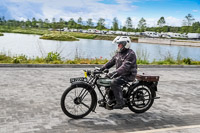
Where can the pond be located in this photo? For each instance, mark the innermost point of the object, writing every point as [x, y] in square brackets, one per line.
[30, 45]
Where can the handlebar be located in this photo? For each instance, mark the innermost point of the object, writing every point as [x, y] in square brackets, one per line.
[96, 71]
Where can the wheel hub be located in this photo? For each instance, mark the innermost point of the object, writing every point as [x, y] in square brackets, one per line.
[77, 100]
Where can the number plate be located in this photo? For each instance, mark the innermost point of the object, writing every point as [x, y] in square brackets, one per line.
[78, 79]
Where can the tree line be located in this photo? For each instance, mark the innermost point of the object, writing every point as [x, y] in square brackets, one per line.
[189, 24]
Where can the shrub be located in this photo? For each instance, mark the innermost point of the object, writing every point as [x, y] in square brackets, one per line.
[187, 61]
[5, 59]
[20, 59]
[51, 57]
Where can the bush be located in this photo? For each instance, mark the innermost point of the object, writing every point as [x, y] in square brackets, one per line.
[187, 61]
[52, 57]
[20, 59]
[5, 59]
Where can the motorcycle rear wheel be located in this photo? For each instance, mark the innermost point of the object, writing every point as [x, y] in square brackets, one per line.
[140, 99]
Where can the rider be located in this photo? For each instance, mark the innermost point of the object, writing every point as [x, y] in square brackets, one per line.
[126, 68]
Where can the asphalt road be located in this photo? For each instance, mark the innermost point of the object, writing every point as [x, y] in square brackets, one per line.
[30, 103]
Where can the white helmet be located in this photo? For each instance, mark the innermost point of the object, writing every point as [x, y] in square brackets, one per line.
[124, 40]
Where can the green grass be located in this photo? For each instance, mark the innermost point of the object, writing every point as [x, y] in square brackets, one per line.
[58, 36]
[73, 34]
[55, 58]
[81, 35]
[105, 37]
[86, 61]
[24, 31]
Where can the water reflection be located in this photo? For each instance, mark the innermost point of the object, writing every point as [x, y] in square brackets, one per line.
[32, 46]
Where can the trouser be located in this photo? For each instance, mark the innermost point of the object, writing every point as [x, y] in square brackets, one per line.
[117, 90]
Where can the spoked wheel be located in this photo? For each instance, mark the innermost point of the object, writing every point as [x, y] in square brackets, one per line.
[140, 99]
[78, 101]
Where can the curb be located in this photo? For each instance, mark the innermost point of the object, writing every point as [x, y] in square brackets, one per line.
[87, 66]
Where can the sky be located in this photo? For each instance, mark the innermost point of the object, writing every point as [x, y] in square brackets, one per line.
[173, 11]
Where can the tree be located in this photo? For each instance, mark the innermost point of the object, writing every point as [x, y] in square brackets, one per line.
[198, 30]
[128, 24]
[124, 28]
[71, 23]
[142, 24]
[54, 23]
[34, 21]
[28, 23]
[90, 23]
[161, 22]
[61, 24]
[80, 21]
[2, 20]
[115, 24]
[188, 20]
[196, 26]
[101, 24]
[40, 23]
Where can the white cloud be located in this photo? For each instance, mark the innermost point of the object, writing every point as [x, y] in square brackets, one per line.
[94, 9]
[73, 9]
[172, 21]
[195, 10]
[123, 1]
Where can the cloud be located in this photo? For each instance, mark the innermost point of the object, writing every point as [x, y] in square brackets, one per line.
[195, 10]
[172, 21]
[67, 9]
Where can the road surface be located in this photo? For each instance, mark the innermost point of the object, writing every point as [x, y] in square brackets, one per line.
[30, 102]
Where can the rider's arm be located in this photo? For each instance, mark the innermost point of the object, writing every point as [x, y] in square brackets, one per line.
[110, 63]
[128, 64]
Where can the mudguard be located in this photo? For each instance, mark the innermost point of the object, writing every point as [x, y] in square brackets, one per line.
[150, 85]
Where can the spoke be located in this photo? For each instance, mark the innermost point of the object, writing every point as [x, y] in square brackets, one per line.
[145, 92]
[141, 100]
[71, 98]
[81, 108]
[76, 110]
[85, 105]
[140, 104]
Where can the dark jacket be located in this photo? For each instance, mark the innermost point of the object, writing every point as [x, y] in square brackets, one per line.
[125, 64]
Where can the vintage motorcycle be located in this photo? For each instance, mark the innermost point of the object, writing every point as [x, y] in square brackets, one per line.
[80, 98]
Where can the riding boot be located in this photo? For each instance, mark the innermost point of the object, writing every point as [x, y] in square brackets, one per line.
[119, 101]
[116, 88]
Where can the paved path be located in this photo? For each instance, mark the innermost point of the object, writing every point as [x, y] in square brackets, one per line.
[30, 102]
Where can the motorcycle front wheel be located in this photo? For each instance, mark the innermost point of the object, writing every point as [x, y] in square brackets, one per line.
[78, 101]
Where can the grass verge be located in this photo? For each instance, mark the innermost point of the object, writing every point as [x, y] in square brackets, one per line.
[55, 58]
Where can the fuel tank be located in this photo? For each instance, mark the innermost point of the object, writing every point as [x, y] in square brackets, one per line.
[104, 82]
